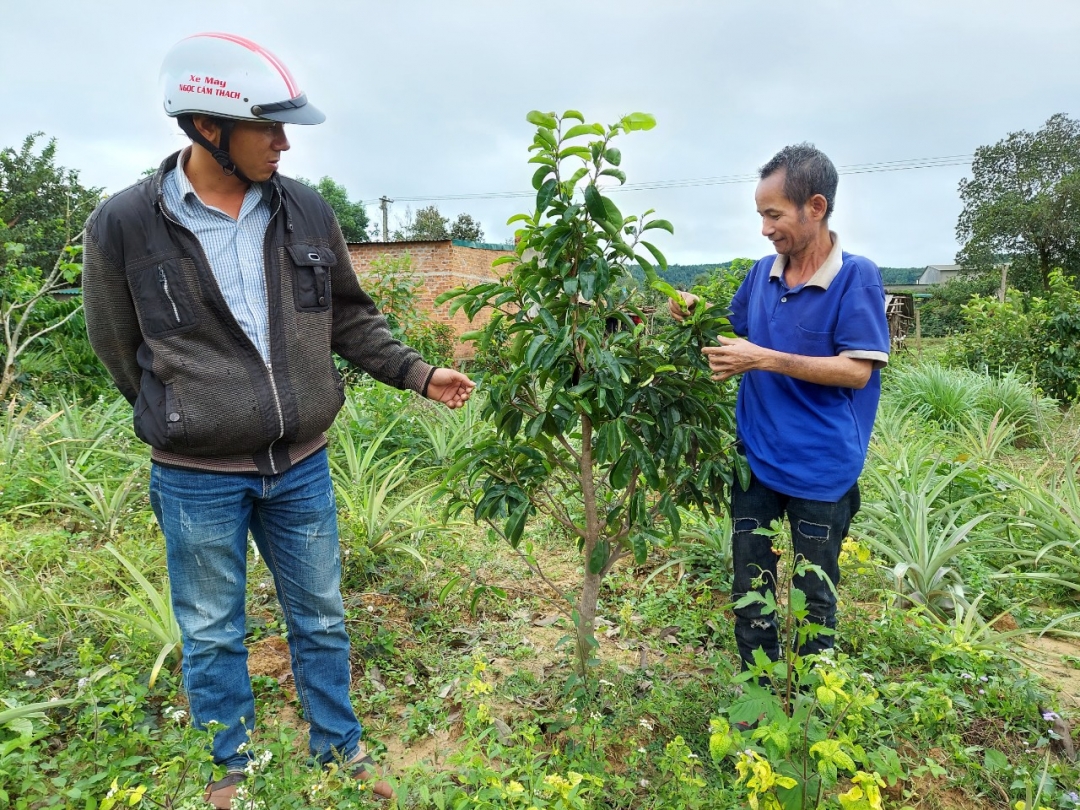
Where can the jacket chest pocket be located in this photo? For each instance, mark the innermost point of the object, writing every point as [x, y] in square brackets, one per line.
[311, 276]
[163, 298]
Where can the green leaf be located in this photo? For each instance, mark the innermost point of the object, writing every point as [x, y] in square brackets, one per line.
[995, 762]
[613, 215]
[748, 709]
[656, 254]
[446, 589]
[599, 556]
[742, 471]
[575, 177]
[621, 471]
[574, 151]
[574, 114]
[797, 603]
[613, 156]
[539, 175]
[515, 524]
[594, 203]
[659, 223]
[583, 129]
[664, 288]
[541, 119]
[618, 174]
[547, 138]
[546, 194]
[638, 121]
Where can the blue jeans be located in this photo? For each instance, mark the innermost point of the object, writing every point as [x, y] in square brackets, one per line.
[818, 529]
[206, 518]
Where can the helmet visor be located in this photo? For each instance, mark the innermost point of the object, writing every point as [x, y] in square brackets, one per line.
[291, 111]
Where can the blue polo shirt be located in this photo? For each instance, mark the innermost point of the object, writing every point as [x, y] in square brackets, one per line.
[803, 439]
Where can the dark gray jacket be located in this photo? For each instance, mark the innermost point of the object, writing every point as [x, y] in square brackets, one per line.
[199, 387]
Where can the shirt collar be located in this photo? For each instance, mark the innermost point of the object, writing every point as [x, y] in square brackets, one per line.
[187, 191]
[825, 274]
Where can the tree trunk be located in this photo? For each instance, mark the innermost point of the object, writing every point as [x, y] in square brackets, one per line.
[7, 379]
[590, 585]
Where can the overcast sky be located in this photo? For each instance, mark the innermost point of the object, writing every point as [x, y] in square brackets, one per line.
[429, 98]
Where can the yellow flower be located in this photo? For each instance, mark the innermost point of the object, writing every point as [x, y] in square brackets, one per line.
[478, 687]
[760, 778]
[513, 787]
[558, 784]
[483, 714]
[871, 783]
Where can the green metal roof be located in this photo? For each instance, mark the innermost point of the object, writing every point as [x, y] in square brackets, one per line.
[481, 245]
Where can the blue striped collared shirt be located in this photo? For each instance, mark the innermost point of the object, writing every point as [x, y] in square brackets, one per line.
[234, 248]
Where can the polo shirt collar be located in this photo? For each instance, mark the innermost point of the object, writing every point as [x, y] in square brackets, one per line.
[187, 191]
[825, 274]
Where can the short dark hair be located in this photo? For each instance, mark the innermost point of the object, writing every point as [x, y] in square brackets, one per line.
[808, 171]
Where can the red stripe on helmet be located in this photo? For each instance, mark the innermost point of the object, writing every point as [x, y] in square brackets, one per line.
[290, 82]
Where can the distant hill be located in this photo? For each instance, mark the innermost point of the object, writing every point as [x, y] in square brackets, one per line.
[901, 275]
[683, 276]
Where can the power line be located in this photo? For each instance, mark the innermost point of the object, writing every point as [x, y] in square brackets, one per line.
[855, 168]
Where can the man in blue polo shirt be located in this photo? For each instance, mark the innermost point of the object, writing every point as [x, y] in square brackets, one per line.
[815, 339]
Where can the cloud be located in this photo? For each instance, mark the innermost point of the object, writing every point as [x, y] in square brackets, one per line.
[429, 98]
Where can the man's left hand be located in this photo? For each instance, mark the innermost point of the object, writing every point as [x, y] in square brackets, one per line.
[734, 356]
[451, 388]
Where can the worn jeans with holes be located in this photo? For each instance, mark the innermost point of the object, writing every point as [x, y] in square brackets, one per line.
[818, 529]
[206, 518]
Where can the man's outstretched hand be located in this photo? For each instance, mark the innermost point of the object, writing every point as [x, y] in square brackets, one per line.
[680, 310]
[451, 388]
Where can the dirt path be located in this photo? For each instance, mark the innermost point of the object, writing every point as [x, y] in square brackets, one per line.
[1057, 662]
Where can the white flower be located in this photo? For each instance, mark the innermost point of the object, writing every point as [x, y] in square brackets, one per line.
[645, 724]
[644, 783]
[31, 674]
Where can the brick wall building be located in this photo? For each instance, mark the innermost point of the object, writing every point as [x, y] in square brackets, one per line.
[442, 265]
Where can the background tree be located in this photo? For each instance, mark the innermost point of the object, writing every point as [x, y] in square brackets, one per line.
[352, 215]
[429, 224]
[1022, 205]
[601, 426]
[466, 228]
[42, 210]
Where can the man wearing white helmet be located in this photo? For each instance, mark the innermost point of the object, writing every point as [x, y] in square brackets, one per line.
[216, 292]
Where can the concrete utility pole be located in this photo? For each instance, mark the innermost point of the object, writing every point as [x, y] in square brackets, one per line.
[384, 204]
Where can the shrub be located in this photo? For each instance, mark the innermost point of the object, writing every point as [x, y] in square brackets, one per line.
[942, 314]
[1035, 336]
[393, 286]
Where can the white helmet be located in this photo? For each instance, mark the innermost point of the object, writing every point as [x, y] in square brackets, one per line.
[230, 77]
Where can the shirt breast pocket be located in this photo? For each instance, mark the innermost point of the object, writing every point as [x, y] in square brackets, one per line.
[311, 276]
[814, 344]
[163, 298]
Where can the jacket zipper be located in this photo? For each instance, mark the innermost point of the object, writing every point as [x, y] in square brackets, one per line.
[269, 318]
[164, 279]
[269, 368]
[281, 418]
